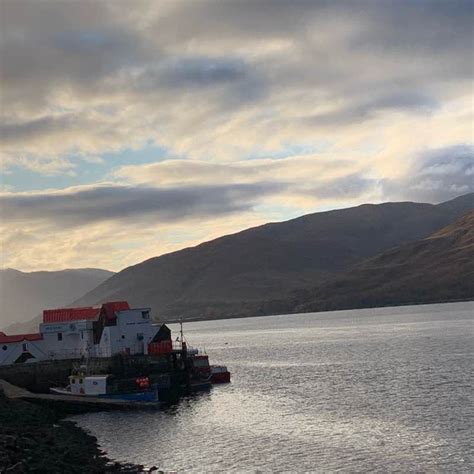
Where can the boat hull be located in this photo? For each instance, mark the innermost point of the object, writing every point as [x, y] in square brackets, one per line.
[144, 396]
[220, 377]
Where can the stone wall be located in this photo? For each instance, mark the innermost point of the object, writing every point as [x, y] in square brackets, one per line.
[40, 376]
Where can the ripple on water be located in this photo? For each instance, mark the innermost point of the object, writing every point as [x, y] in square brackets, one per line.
[368, 390]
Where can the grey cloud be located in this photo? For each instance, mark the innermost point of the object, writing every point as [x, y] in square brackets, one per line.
[11, 132]
[81, 41]
[347, 187]
[410, 55]
[203, 72]
[129, 204]
[209, 20]
[418, 26]
[364, 109]
[438, 175]
[387, 26]
[403, 100]
[54, 45]
[230, 81]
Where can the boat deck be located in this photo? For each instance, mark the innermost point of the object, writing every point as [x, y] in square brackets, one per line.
[14, 392]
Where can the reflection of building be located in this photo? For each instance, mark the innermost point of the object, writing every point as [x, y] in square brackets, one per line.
[70, 333]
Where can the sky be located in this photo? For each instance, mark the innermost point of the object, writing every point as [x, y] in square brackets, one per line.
[132, 129]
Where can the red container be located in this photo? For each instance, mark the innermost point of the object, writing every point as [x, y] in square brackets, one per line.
[157, 348]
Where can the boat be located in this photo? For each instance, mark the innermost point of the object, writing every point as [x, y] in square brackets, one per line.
[220, 374]
[201, 370]
[86, 382]
[213, 373]
[107, 387]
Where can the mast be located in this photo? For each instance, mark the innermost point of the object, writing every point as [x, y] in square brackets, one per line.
[183, 344]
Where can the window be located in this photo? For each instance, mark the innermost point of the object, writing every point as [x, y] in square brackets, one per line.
[145, 315]
[140, 337]
[25, 347]
[60, 336]
[82, 334]
[4, 348]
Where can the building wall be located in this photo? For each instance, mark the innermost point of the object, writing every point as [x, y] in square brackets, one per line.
[75, 339]
[67, 340]
[10, 352]
[131, 335]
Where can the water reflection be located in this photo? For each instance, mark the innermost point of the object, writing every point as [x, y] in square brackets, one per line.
[364, 390]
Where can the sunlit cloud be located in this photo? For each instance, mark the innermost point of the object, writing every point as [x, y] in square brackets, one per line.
[379, 94]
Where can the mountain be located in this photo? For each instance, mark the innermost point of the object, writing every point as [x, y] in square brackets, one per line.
[437, 268]
[235, 275]
[24, 295]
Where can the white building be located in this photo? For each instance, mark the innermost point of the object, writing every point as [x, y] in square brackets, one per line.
[70, 333]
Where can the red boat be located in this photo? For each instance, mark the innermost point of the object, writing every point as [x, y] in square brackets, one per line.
[220, 374]
[214, 373]
[201, 369]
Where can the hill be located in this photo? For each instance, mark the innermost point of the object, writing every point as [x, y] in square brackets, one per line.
[438, 268]
[233, 275]
[25, 295]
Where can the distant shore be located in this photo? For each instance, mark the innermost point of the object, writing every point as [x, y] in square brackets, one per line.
[321, 310]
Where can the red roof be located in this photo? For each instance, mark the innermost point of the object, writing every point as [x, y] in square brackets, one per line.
[111, 308]
[19, 337]
[89, 312]
[70, 314]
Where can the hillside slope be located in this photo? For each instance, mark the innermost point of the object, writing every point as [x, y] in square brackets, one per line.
[438, 268]
[232, 275]
[25, 295]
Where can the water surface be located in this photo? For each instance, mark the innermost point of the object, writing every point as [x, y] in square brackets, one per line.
[366, 390]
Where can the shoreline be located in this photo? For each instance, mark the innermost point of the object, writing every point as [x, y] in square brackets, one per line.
[328, 310]
[38, 439]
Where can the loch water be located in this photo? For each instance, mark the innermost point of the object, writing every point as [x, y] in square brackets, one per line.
[380, 390]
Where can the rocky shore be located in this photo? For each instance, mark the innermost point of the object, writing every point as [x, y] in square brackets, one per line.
[36, 439]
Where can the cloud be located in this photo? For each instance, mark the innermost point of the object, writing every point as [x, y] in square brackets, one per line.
[100, 203]
[366, 109]
[15, 132]
[223, 80]
[347, 187]
[202, 72]
[37, 245]
[436, 176]
[379, 92]
[295, 169]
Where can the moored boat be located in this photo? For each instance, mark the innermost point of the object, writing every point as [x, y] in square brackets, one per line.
[105, 386]
[213, 373]
[220, 374]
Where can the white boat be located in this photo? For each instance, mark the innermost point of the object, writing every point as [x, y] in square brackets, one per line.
[103, 386]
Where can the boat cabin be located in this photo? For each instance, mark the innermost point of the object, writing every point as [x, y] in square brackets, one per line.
[89, 384]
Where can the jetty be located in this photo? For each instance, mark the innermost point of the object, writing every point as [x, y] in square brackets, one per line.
[91, 403]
